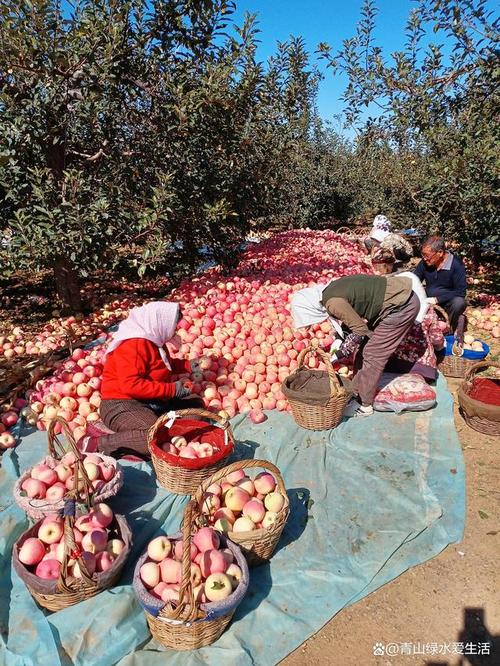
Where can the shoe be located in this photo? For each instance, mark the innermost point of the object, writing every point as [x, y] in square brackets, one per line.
[355, 409]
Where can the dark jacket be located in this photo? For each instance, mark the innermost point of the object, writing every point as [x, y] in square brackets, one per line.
[444, 283]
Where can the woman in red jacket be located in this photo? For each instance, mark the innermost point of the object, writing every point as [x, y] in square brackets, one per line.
[137, 381]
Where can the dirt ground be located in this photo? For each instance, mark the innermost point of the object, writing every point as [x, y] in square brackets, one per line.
[454, 597]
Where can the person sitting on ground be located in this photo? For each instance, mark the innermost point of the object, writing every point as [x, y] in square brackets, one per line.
[383, 238]
[443, 274]
[378, 311]
[383, 261]
[137, 384]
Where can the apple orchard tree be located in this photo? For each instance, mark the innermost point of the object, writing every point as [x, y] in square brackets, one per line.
[128, 128]
[434, 139]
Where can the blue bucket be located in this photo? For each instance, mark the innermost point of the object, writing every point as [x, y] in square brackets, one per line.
[468, 353]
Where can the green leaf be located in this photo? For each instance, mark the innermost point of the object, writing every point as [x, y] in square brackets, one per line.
[483, 514]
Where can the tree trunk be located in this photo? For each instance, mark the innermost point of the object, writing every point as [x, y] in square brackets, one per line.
[67, 284]
[476, 256]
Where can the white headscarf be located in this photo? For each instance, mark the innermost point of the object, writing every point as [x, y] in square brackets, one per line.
[154, 321]
[382, 227]
[307, 308]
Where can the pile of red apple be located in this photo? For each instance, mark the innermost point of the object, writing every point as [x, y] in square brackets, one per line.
[242, 504]
[98, 544]
[52, 483]
[54, 334]
[179, 446]
[214, 572]
[72, 392]
[239, 327]
[9, 418]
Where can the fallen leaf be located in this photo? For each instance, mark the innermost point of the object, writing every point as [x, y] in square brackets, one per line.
[483, 514]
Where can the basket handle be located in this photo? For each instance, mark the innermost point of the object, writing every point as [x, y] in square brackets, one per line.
[56, 449]
[186, 596]
[442, 312]
[79, 468]
[224, 423]
[314, 348]
[71, 549]
[480, 365]
[233, 467]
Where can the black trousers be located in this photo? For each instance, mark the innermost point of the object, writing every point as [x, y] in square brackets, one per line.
[455, 308]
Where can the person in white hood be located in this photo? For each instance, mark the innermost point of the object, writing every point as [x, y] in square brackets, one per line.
[383, 238]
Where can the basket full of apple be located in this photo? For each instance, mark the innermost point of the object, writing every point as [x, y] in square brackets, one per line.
[188, 446]
[250, 510]
[64, 559]
[190, 584]
[41, 489]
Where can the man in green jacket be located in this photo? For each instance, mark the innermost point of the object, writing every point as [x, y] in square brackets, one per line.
[377, 310]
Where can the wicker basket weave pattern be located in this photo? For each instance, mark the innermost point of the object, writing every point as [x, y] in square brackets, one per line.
[190, 625]
[320, 417]
[257, 545]
[176, 474]
[479, 416]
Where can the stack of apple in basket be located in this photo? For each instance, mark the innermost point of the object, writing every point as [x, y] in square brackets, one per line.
[77, 548]
[187, 446]
[40, 490]
[250, 509]
[190, 584]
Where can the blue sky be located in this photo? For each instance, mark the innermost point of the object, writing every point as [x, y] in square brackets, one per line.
[328, 21]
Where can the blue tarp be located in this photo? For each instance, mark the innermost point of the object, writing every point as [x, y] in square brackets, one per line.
[368, 500]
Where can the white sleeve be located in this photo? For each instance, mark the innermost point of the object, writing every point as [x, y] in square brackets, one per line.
[420, 292]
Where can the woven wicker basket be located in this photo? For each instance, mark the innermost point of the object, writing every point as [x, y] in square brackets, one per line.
[257, 545]
[320, 417]
[455, 364]
[182, 475]
[190, 625]
[36, 509]
[478, 415]
[67, 591]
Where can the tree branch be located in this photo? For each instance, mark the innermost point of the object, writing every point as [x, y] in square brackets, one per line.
[91, 158]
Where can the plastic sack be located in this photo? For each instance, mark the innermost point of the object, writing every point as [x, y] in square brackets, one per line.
[399, 393]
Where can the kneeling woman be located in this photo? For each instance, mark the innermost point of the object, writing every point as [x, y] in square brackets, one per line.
[137, 381]
[377, 310]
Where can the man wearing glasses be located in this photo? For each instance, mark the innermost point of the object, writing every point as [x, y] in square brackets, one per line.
[444, 276]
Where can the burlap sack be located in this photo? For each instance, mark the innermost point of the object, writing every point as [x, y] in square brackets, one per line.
[311, 387]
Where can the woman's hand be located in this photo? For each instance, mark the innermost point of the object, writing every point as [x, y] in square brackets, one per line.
[195, 365]
[182, 389]
[350, 345]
